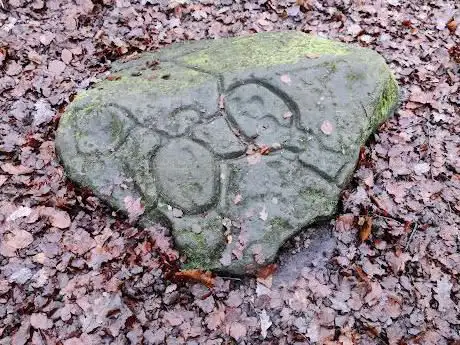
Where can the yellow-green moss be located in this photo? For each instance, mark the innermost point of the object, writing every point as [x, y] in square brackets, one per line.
[385, 105]
[198, 255]
[262, 50]
[319, 200]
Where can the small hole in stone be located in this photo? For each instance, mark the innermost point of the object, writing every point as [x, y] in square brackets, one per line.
[165, 77]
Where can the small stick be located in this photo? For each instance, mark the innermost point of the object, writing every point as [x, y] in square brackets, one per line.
[388, 218]
[411, 236]
[230, 278]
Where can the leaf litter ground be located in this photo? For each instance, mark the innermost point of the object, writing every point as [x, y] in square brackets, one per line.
[72, 272]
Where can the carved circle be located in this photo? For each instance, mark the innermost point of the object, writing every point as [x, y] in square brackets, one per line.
[186, 175]
[102, 129]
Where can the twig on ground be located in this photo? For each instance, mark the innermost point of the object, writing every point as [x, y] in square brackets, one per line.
[376, 215]
[411, 236]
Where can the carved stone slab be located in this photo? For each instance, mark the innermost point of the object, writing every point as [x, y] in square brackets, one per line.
[235, 144]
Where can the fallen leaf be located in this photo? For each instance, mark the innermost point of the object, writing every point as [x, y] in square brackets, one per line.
[327, 127]
[452, 26]
[178, 213]
[366, 229]
[43, 112]
[78, 241]
[174, 318]
[362, 275]
[19, 213]
[234, 299]
[56, 67]
[40, 321]
[420, 96]
[46, 38]
[66, 56]
[18, 239]
[276, 146]
[421, 168]
[195, 275]
[134, 208]
[113, 77]
[285, 78]
[266, 271]
[397, 261]
[162, 242]
[287, 115]
[262, 290]
[221, 102]
[22, 335]
[21, 275]
[306, 4]
[354, 29]
[58, 218]
[215, 319]
[407, 23]
[374, 295]
[263, 214]
[344, 222]
[16, 169]
[264, 149]
[293, 11]
[171, 288]
[443, 288]
[237, 330]
[454, 52]
[237, 199]
[73, 341]
[265, 323]
[258, 255]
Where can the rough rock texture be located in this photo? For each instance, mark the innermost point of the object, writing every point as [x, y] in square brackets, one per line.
[188, 130]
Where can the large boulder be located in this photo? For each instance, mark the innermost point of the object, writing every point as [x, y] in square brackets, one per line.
[235, 144]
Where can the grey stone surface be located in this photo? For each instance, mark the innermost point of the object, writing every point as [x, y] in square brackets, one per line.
[182, 129]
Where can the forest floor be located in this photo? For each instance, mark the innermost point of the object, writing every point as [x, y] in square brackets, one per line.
[385, 271]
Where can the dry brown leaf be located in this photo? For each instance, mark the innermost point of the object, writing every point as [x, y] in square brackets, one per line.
[366, 229]
[454, 52]
[452, 26]
[327, 127]
[237, 199]
[204, 277]
[113, 77]
[287, 115]
[18, 239]
[58, 218]
[221, 102]
[40, 321]
[16, 169]
[266, 271]
[306, 4]
[285, 78]
[265, 323]
[264, 149]
[362, 275]
[134, 208]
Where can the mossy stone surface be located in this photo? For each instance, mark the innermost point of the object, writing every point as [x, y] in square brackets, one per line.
[183, 129]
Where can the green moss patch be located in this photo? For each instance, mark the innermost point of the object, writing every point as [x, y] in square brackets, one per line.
[262, 50]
